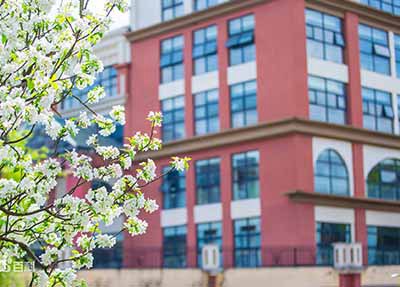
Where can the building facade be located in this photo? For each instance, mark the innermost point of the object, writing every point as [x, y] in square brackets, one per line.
[290, 112]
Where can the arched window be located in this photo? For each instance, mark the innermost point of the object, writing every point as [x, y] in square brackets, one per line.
[330, 174]
[384, 180]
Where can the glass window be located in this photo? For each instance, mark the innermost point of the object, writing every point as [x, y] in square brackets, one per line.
[377, 110]
[204, 4]
[106, 79]
[109, 258]
[327, 100]
[397, 52]
[208, 181]
[383, 245]
[247, 242]
[330, 174]
[174, 188]
[171, 63]
[245, 175]
[208, 233]
[206, 112]
[324, 36]
[374, 49]
[241, 40]
[326, 235]
[171, 9]
[173, 127]
[244, 104]
[389, 6]
[174, 247]
[205, 58]
[384, 180]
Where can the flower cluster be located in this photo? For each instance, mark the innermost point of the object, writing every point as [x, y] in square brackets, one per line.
[45, 51]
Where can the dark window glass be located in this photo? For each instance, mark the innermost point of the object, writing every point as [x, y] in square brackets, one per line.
[208, 233]
[330, 174]
[241, 40]
[374, 49]
[324, 36]
[174, 189]
[389, 6]
[171, 9]
[247, 242]
[245, 175]
[326, 235]
[109, 258]
[106, 79]
[383, 245]
[244, 104]
[174, 247]
[205, 58]
[384, 180]
[171, 61]
[327, 100]
[208, 181]
[204, 4]
[377, 110]
[206, 112]
[397, 53]
[173, 127]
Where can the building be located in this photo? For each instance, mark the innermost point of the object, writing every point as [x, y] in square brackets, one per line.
[290, 111]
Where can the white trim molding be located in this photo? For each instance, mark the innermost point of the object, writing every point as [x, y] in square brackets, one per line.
[245, 208]
[172, 89]
[373, 155]
[242, 73]
[378, 218]
[329, 70]
[208, 213]
[174, 217]
[205, 82]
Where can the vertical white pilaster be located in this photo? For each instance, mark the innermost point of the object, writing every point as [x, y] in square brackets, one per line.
[393, 76]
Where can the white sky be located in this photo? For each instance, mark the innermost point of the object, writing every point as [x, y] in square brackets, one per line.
[119, 19]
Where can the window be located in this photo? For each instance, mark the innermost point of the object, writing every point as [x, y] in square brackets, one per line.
[377, 110]
[204, 4]
[207, 181]
[241, 40]
[327, 100]
[173, 127]
[330, 174]
[174, 189]
[397, 52]
[104, 258]
[206, 112]
[327, 234]
[247, 242]
[324, 36]
[243, 104]
[374, 49]
[174, 247]
[245, 175]
[171, 9]
[384, 180]
[106, 79]
[171, 63]
[390, 6]
[383, 245]
[208, 233]
[205, 57]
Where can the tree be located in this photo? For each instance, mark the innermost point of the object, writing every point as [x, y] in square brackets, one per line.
[43, 56]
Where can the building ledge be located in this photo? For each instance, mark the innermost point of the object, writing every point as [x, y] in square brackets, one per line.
[273, 129]
[343, 201]
[338, 6]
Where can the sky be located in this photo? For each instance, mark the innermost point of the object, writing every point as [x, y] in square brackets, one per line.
[119, 19]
